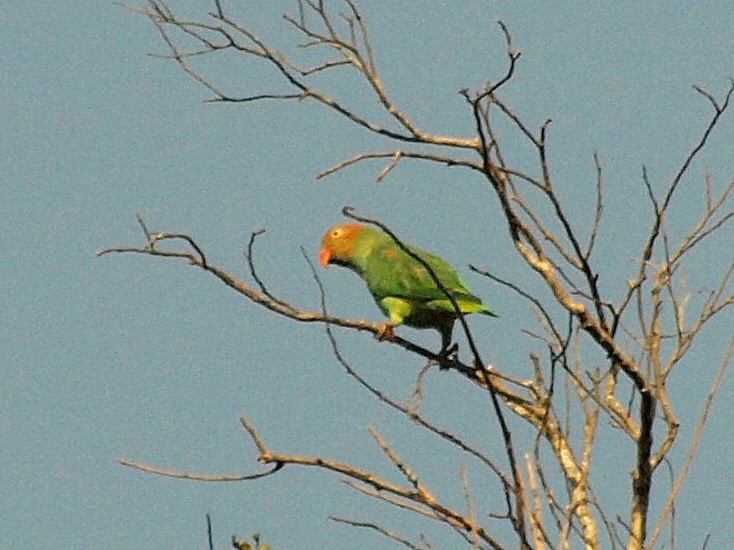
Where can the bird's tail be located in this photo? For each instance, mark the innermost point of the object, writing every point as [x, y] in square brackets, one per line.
[486, 311]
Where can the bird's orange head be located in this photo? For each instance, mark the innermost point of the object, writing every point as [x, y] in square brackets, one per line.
[338, 243]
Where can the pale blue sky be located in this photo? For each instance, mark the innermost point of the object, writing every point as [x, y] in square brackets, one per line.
[153, 360]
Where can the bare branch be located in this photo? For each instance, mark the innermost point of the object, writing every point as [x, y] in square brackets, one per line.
[536, 510]
[469, 501]
[512, 56]
[557, 339]
[398, 153]
[358, 55]
[392, 164]
[661, 208]
[382, 530]
[194, 476]
[420, 510]
[705, 226]
[598, 209]
[718, 111]
[250, 256]
[209, 535]
[696, 441]
[418, 495]
[547, 234]
[406, 470]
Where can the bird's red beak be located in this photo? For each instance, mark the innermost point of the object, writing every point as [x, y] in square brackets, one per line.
[325, 257]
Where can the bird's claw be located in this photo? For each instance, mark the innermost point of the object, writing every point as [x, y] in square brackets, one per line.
[386, 332]
[451, 353]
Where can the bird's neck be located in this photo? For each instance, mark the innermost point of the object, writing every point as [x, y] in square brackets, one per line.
[360, 256]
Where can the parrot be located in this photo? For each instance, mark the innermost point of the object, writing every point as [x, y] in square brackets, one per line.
[400, 284]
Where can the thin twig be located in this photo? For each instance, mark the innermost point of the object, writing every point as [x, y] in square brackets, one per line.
[195, 476]
[382, 530]
[693, 450]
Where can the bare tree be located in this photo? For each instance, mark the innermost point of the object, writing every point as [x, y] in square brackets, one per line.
[641, 336]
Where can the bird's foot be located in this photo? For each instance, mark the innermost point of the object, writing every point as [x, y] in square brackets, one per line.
[386, 332]
[450, 353]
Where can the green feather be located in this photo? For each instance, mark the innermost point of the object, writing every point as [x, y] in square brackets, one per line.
[404, 289]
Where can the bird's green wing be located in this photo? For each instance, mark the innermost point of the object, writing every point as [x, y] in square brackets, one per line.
[390, 272]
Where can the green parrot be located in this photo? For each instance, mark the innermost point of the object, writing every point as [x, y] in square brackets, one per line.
[401, 285]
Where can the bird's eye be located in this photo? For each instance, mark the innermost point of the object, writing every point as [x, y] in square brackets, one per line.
[336, 233]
